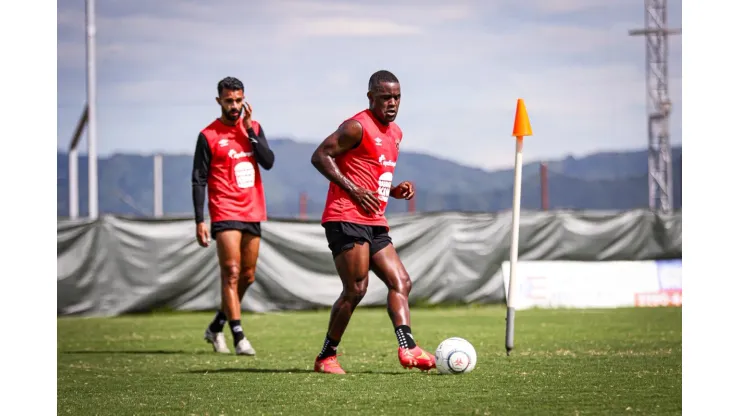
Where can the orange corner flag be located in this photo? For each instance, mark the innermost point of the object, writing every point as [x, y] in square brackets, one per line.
[521, 120]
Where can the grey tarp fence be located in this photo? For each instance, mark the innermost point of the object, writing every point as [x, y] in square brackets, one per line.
[117, 265]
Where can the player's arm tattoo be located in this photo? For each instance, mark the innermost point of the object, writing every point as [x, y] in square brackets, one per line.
[347, 137]
[262, 152]
[199, 177]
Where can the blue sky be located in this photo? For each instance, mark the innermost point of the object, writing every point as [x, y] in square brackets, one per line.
[305, 65]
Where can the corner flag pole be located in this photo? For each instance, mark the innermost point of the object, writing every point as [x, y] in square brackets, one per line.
[521, 128]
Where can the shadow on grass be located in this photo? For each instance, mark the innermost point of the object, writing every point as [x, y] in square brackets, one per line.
[284, 371]
[140, 352]
[226, 370]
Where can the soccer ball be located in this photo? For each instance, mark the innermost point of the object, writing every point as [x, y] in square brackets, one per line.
[455, 356]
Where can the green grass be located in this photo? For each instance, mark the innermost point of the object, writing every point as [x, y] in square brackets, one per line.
[569, 362]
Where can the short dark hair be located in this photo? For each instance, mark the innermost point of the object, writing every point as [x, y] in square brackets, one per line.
[230, 83]
[378, 77]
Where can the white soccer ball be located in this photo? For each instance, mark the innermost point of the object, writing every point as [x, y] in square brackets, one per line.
[455, 356]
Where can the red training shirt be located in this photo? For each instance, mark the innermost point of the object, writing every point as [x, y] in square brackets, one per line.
[371, 166]
[235, 191]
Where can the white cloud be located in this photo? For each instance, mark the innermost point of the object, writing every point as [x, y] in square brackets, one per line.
[572, 6]
[348, 26]
[305, 65]
[564, 7]
[424, 12]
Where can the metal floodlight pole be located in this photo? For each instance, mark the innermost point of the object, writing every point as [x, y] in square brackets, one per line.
[92, 128]
[74, 193]
[158, 197]
[660, 172]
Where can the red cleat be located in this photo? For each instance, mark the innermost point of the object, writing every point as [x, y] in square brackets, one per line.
[328, 365]
[416, 358]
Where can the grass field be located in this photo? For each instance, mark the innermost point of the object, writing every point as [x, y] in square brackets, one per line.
[565, 362]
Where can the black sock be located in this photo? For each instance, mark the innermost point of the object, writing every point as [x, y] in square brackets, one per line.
[405, 339]
[236, 330]
[217, 325]
[330, 348]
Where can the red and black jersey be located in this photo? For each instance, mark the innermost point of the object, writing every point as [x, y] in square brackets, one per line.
[227, 162]
[370, 165]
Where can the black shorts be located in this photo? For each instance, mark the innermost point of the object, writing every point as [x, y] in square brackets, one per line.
[253, 228]
[342, 236]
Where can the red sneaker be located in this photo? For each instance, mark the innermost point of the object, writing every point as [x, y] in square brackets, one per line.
[416, 358]
[328, 365]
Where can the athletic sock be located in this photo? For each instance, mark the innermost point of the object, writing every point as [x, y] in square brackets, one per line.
[329, 349]
[217, 325]
[405, 339]
[236, 330]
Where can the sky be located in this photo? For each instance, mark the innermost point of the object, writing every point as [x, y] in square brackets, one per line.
[305, 65]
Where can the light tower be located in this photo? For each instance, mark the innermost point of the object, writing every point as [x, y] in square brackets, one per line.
[660, 179]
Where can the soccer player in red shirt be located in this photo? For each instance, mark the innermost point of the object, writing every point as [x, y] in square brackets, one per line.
[359, 160]
[227, 160]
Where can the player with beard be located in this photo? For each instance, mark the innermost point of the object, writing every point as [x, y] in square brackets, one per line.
[227, 160]
[359, 160]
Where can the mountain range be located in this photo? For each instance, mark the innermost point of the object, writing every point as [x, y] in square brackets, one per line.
[603, 181]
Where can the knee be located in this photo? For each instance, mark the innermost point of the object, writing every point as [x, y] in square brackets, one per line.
[403, 284]
[354, 297]
[248, 275]
[230, 272]
[355, 292]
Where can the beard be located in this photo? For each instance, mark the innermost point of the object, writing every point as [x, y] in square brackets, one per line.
[229, 115]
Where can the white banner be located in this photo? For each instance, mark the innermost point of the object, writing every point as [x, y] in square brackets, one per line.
[605, 284]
